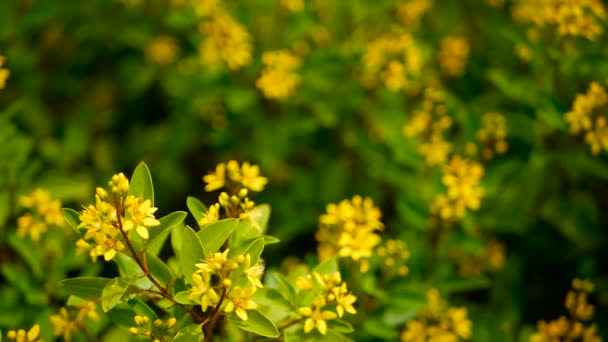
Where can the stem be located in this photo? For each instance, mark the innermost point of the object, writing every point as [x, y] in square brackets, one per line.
[212, 318]
[143, 265]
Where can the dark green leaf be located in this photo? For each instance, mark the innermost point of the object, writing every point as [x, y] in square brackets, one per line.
[190, 333]
[85, 287]
[192, 252]
[141, 183]
[196, 207]
[214, 235]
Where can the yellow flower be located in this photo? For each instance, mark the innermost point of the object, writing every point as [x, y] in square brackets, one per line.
[587, 116]
[293, 5]
[410, 12]
[239, 302]
[254, 272]
[217, 179]
[162, 50]
[317, 318]
[140, 215]
[212, 214]
[23, 336]
[251, 178]
[436, 150]
[63, 325]
[344, 300]
[215, 264]
[453, 55]
[279, 78]
[4, 73]
[28, 226]
[226, 39]
[202, 291]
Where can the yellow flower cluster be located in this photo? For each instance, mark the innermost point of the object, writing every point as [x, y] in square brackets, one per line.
[4, 73]
[411, 12]
[278, 79]
[587, 116]
[438, 323]
[453, 55]
[156, 330]
[331, 300]
[65, 325]
[395, 60]
[570, 17]
[348, 229]
[162, 50]
[225, 38]
[45, 211]
[572, 328]
[239, 179]
[493, 134]
[490, 258]
[114, 214]
[236, 278]
[429, 124]
[462, 177]
[23, 336]
[395, 254]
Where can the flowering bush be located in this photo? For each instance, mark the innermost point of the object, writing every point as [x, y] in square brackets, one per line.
[436, 170]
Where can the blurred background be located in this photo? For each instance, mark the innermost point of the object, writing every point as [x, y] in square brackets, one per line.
[320, 94]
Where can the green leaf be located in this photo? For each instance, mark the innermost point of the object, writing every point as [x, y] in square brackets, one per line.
[327, 267]
[256, 323]
[464, 285]
[270, 240]
[183, 297]
[166, 223]
[259, 217]
[159, 270]
[214, 235]
[114, 291]
[244, 232]
[196, 207]
[141, 183]
[85, 287]
[142, 309]
[340, 325]
[127, 266]
[255, 249]
[284, 287]
[192, 252]
[190, 333]
[72, 217]
[32, 256]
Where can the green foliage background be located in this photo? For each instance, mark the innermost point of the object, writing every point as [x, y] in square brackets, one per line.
[83, 102]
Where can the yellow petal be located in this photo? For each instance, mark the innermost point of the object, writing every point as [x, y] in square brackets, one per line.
[309, 325]
[322, 327]
[109, 255]
[242, 314]
[143, 232]
[229, 307]
[33, 333]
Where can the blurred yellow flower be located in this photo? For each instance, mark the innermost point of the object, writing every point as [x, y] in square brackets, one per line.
[4, 73]
[279, 79]
[162, 50]
[453, 55]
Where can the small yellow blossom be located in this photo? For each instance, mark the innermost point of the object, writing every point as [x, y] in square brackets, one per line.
[279, 78]
[254, 272]
[239, 302]
[141, 216]
[23, 336]
[493, 134]
[316, 317]
[4, 73]
[293, 5]
[568, 17]
[64, 326]
[348, 229]
[571, 328]
[225, 39]
[453, 55]
[587, 116]
[411, 11]
[397, 59]
[462, 179]
[438, 322]
[162, 50]
[212, 214]
[246, 175]
[202, 291]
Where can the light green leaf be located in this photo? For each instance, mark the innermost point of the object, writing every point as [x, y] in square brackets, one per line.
[270, 240]
[85, 287]
[190, 333]
[284, 287]
[183, 297]
[159, 270]
[196, 207]
[256, 323]
[114, 291]
[127, 267]
[340, 325]
[214, 235]
[327, 267]
[255, 249]
[192, 252]
[141, 183]
[259, 217]
[166, 223]
[72, 217]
